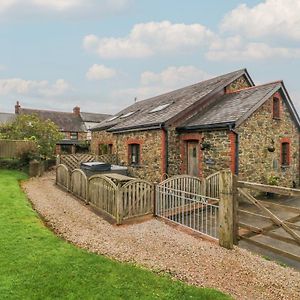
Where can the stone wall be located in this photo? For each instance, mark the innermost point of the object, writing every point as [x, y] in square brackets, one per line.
[150, 141]
[256, 163]
[216, 158]
[174, 156]
[237, 84]
[150, 167]
[103, 137]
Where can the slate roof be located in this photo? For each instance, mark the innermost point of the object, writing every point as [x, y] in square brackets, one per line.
[6, 117]
[93, 117]
[233, 108]
[64, 120]
[180, 100]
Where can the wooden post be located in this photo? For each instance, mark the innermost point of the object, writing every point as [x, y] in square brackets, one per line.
[34, 168]
[226, 210]
[119, 200]
[235, 210]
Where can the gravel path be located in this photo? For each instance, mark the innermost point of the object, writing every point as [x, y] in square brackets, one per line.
[160, 247]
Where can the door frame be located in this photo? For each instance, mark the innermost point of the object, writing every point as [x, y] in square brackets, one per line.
[184, 139]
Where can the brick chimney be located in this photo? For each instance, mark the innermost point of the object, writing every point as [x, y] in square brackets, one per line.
[76, 111]
[17, 108]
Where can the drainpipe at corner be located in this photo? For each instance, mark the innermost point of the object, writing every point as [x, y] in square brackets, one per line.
[234, 141]
[165, 147]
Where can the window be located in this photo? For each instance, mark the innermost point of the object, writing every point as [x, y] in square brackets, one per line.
[134, 154]
[113, 118]
[276, 108]
[285, 154]
[74, 135]
[127, 114]
[105, 149]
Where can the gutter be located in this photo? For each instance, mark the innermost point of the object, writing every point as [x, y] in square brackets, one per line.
[137, 128]
[224, 125]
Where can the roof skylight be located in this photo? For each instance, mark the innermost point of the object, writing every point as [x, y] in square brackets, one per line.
[160, 107]
[127, 114]
[113, 118]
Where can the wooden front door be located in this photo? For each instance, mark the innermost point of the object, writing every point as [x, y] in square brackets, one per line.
[193, 158]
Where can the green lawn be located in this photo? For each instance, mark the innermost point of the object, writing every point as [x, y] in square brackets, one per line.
[36, 264]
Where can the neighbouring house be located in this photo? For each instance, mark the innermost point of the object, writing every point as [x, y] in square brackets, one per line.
[6, 118]
[75, 126]
[90, 120]
[222, 123]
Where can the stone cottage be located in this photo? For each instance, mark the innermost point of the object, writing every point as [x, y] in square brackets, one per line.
[222, 123]
[75, 126]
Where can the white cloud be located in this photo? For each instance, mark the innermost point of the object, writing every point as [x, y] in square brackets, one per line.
[58, 5]
[174, 76]
[18, 86]
[2, 67]
[279, 18]
[99, 72]
[147, 39]
[64, 7]
[237, 49]
[171, 78]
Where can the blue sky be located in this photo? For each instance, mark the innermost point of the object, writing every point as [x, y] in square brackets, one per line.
[100, 54]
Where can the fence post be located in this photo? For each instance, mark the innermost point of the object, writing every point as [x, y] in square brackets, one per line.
[119, 216]
[154, 198]
[226, 210]
[235, 200]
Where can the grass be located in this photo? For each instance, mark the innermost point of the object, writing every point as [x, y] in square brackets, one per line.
[36, 264]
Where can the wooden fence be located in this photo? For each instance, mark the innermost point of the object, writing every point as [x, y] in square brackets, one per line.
[133, 199]
[137, 199]
[103, 194]
[62, 177]
[267, 220]
[73, 161]
[79, 184]
[14, 148]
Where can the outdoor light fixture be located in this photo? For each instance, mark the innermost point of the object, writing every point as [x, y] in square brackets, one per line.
[271, 148]
[204, 145]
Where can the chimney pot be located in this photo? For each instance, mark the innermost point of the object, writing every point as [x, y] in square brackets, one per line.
[17, 108]
[76, 110]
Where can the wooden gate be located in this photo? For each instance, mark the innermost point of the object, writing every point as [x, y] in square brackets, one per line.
[264, 224]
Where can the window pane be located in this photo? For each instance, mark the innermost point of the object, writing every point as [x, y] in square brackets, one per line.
[134, 154]
[285, 154]
[74, 136]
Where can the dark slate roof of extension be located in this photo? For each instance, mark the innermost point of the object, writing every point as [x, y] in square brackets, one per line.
[93, 117]
[6, 117]
[64, 120]
[180, 100]
[233, 108]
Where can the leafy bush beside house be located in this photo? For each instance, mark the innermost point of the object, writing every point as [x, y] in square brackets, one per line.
[30, 127]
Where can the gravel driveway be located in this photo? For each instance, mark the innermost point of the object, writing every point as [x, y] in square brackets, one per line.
[160, 247]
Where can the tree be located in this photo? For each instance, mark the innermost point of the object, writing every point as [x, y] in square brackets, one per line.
[30, 127]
